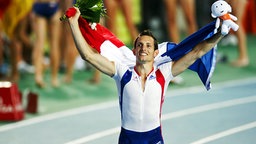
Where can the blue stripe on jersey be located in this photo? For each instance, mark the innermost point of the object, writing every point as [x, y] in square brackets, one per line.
[125, 79]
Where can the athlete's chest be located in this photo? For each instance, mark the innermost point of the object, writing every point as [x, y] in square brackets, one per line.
[139, 86]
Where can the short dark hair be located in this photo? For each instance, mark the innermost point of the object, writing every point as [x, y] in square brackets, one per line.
[147, 33]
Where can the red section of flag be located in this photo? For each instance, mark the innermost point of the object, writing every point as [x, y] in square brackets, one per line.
[96, 37]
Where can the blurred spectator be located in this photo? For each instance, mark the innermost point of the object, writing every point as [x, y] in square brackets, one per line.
[153, 18]
[203, 12]
[46, 19]
[3, 7]
[238, 9]
[14, 22]
[188, 7]
[112, 7]
[249, 20]
[68, 53]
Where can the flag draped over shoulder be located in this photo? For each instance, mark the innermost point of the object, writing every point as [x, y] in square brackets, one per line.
[206, 64]
[108, 45]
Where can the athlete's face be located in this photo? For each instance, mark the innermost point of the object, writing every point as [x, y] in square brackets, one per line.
[144, 50]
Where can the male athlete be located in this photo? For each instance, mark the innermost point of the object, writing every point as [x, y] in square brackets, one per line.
[141, 87]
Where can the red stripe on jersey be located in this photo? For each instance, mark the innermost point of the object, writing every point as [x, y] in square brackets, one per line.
[160, 79]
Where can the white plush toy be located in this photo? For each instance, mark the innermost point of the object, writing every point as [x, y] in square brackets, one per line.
[221, 10]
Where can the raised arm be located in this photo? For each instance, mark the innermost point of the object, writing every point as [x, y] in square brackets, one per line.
[85, 50]
[197, 52]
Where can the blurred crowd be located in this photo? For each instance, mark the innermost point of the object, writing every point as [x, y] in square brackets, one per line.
[33, 39]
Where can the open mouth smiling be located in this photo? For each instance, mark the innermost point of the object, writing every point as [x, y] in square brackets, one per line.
[143, 54]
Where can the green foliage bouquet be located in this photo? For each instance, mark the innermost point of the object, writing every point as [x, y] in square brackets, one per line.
[91, 10]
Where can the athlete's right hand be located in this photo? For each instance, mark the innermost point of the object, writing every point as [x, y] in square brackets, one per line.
[73, 14]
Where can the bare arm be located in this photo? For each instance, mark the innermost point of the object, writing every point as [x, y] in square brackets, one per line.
[198, 51]
[86, 51]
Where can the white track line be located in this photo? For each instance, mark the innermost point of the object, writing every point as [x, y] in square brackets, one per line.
[216, 86]
[209, 107]
[95, 136]
[169, 116]
[226, 133]
[59, 115]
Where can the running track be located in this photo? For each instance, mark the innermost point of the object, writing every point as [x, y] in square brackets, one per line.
[224, 115]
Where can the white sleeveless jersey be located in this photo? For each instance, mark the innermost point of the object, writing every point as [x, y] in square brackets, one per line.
[141, 110]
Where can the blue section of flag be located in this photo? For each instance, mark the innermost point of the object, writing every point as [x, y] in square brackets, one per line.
[206, 64]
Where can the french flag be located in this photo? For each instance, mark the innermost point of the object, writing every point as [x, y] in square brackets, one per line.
[108, 45]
